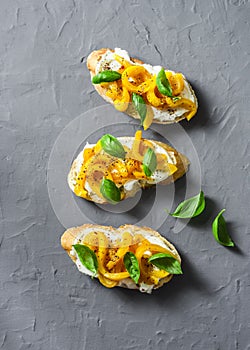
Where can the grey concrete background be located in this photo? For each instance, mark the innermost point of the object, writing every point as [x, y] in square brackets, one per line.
[44, 302]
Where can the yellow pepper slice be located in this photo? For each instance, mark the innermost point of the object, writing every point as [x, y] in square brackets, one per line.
[102, 248]
[125, 244]
[176, 82]
[106, 282]
[112, 90]
[184, 103]
[153, 99]
[134, 79]
[116, 276]
[138, 135]
[101, 258]
[124, 63]
[121, 102]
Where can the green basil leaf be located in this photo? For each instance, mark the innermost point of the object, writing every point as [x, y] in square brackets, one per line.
[87, 257]
[149, 162]
[220, 230]
[132, 266]
[176, 98]
[191, 207]
[110, 191]
[166, 262]
[163, 84]
[106, 76]
[140, 106]
[112, 146]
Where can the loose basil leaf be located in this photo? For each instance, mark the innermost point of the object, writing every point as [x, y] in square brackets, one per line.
[87, 257]
[106, 76]
[220, 230]
[166, 262]
[191, 207]
[163, 84]
[140, 106]
[110, 191]
[149, 162]
[132, 266]
[112, 146]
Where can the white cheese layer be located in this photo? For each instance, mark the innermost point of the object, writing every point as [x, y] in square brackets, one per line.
[108, 61]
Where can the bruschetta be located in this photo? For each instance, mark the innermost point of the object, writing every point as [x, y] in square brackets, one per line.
[149, 93]
[131, 257]
[114, 169]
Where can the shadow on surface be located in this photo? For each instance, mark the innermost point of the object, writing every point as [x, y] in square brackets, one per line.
[202, 116]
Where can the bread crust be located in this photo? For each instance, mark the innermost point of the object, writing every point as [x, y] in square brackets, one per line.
[69, 236]
[92, 60]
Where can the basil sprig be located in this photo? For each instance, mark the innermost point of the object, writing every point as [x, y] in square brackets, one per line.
[106, 76]
[163, 84]
[112, 146]
[166, 262]
[149, 162]
[132, 266]
[87, 257]
[191, 207]
[110, 191]
[140, 106]
[219, 229]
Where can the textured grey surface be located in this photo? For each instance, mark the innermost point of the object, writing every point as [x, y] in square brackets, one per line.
[44, 302]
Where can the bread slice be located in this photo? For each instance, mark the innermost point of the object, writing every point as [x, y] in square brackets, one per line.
[92, 62]
[178, 159]
[77, 234]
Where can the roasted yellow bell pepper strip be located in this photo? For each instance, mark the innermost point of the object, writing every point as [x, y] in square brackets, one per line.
[121, 102]
[138, 135]
[124, 63]
[101, 258]
[80, 191]
[88, 153]
[191, 114]
[153, 99]
[184, 103]
[97, 147]
[102, 248]
[134, 79]
[112, 90]
[125, 244]
[116, 276]
[106, 282]
[146, 273]
[176, 81]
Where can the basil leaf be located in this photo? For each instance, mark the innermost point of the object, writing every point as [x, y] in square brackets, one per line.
[176, 98]
[163, 84]
[112, 146]
[140, 106]
[110, 191]
[106, 76]
[132, 266]
[87, 257]
[191, 207]
[166, 262]
[149, 162]
[220, 230]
